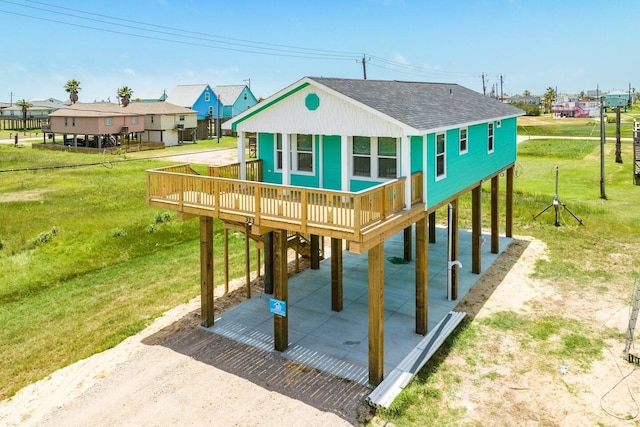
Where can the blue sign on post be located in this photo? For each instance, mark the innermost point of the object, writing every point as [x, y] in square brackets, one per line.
[277, 306]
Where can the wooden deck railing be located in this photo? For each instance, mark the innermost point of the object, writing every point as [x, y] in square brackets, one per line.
[253, 170]
[273, 205]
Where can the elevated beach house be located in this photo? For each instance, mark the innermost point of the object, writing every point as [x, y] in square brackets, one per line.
[356, 161]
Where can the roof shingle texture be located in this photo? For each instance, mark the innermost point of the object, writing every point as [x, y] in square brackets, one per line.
[422, 105]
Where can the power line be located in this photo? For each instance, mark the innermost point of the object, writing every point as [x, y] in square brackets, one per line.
[199, 39]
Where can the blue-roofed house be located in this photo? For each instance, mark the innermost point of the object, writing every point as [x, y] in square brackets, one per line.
[201, 98]
[356, 161]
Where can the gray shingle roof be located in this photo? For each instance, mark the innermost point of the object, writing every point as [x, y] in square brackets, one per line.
[228, 93]
[422, 105]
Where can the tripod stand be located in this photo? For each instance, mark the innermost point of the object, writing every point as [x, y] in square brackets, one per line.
[556, 205]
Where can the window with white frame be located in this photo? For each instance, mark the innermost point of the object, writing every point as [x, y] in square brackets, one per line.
[210, 111]
[207, 97]
[441, 160]
[361, 156]
[490, 138]
[279, 151]
[73, 121]
[108, 121]
[464, 141]
[66, 121]
[304, 153]
[134, 120]
[387, 157]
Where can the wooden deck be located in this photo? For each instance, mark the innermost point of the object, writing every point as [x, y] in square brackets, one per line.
[361, 217]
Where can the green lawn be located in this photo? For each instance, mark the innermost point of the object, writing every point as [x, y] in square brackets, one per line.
[84, 262]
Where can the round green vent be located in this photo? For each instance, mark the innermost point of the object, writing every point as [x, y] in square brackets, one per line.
[312, 102]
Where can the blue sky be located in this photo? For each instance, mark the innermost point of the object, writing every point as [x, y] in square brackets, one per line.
[154, 45]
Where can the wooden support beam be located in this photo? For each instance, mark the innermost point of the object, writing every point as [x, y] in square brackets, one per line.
[432, 227]
[280, 289]
[226, 260]
[268, 263]
[247, 261]
[453, 229]
[509, 204]
[336, 275]
[407, 244]
[476, 230]
[376, 314]
[206, 270]
[495, 223]
[422, 277]
[315, 252]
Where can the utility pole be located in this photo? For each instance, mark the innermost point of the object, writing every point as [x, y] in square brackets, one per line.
[602, 138]
[484, 86]
[11, 97]
[618, 139]
[501, 83]
[364, 65]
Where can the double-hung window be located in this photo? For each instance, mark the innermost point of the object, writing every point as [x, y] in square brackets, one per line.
[490, 138]
[304, 153]
[464, 141]
[362, 156]
[387, 157]
[441, 160]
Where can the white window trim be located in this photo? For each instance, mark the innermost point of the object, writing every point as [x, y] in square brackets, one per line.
[293, 155]
[444, 156]
[207, 97]
[466, 150]
[108, 121]
[373, 158]
[491, 137]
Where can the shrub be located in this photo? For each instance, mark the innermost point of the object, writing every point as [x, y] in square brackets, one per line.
[163, 217]
[1, 244]
[152, 228]
[45, 237]
[118, 232]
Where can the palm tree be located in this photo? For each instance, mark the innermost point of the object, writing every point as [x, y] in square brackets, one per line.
[124, 93]
[24, 105]
[526, 93]
[73, 87]
[549, 96]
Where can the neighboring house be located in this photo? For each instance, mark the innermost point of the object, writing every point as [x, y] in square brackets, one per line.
[165, 122]
[201, 98]
[616, 99]
[569, 107]
[235, 99]
[524, 99]
[37, 114]
[150, 97]
[98, 125]
[354, 160]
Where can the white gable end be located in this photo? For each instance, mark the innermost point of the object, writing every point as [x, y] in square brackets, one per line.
[332, 116]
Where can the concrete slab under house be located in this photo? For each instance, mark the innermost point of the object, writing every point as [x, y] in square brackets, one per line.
[366, 164]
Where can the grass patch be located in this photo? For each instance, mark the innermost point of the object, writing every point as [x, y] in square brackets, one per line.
[79, 269]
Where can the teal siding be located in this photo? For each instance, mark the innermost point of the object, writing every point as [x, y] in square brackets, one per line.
[416, 154]
[267, 152]
[463, 170]
[332, 170]
[359, 185]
